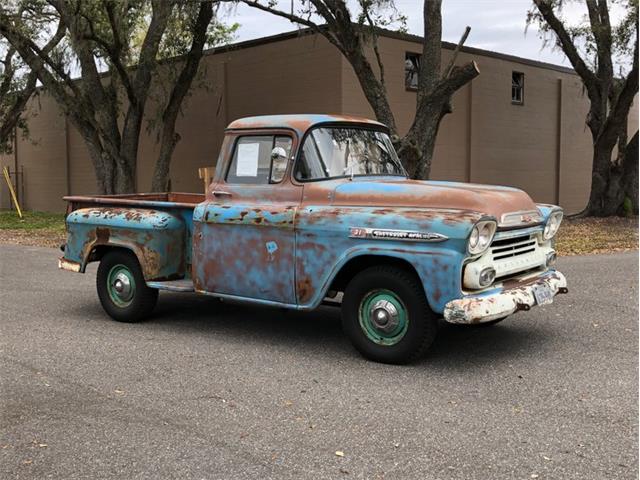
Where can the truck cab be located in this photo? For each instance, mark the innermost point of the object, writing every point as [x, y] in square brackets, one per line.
[304, 208]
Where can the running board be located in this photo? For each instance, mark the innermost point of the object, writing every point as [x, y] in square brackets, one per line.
[184, 285]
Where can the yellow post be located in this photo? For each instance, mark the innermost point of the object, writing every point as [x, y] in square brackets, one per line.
[11, 190]
[206, 175]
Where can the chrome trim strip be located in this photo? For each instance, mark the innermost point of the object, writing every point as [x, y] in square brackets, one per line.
[524, 232]
[398, 235]
[522, 217]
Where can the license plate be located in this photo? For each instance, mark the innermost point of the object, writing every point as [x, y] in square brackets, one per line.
[543, 294]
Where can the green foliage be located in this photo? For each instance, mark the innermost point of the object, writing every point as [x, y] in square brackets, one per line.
[176, 43]
[17, 81]
[624, 31]
[382, 14]
[113, 56]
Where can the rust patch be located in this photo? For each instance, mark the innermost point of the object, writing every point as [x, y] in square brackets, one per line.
[102, 235]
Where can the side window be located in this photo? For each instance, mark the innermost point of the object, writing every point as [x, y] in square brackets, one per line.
[281, 145]
[259, 160]
[310, 165]
[411, 69]
[517, 88]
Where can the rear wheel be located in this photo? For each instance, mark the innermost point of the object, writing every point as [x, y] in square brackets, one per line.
[386, 316]
[123, 293]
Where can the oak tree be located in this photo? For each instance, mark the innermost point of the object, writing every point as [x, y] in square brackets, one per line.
[595, 47]
[355, 34]
[113, 52]
[18, 84]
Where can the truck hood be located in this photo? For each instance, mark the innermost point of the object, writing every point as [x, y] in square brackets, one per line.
[488, 199]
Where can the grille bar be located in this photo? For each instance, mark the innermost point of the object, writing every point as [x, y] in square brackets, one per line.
[515, 253]
[512, 247]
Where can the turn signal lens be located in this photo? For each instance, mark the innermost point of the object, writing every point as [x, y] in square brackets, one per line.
[487, 276]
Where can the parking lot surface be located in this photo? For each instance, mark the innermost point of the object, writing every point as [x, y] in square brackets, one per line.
[212, 390]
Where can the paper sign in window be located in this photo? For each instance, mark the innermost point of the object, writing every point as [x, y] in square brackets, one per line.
[247, 165]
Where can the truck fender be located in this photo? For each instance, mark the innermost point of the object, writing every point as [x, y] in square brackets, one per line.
[157, 239]
[438, 270]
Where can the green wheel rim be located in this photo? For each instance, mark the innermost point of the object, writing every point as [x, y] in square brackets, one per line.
[121, 286]
[383, 317]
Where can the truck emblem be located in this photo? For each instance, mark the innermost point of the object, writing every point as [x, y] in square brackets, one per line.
[402, 235]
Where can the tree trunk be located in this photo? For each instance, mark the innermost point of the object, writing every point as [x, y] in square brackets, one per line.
[125, 181]
[606, 193]
[160, 180]
[169, 138]
[409, 153]
[630, 176]
[415, 149]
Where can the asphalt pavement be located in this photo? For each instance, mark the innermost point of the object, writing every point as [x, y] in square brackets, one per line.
[213, 390]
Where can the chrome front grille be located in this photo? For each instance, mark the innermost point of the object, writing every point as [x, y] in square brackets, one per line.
[513, 247]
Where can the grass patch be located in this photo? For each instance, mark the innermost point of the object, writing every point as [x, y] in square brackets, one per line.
[597, 235]
[39, 229]
[9, 220]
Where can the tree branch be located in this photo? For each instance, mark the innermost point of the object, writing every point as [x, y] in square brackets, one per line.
[376, 50]
[179, 92]
[617, 118]
[431, 61]
[454, 57]
[588, 77]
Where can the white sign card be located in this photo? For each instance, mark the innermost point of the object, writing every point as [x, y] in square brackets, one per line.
[247, 165]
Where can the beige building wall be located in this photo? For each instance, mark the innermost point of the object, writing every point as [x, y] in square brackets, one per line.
[298, 75]
[542, 146]
[42, 157]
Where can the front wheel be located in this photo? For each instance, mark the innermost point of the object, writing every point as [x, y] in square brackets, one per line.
[386, 316]
[123, 293]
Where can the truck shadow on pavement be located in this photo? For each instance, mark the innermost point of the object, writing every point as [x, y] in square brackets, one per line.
[319, 333]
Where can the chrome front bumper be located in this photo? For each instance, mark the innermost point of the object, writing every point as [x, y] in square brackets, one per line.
[497, 303]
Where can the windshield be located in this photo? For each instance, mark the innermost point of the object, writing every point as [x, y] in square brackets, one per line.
[331, 152]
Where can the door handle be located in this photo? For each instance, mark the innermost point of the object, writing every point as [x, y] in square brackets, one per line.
[221, 193]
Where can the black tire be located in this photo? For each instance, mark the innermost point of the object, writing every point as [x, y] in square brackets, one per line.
[143, 299]
[420, 324]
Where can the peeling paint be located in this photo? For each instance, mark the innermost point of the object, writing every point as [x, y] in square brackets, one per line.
[500, 302]
[284, 244]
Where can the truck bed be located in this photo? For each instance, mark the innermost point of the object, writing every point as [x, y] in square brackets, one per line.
[145, 200]
[157, 227]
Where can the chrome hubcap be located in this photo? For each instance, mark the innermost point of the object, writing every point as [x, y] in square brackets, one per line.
[122, 286]
[384, 316]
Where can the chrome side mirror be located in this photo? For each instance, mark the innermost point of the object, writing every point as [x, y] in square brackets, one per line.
[278, 164]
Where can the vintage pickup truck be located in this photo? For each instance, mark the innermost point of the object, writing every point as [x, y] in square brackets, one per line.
[306, 208]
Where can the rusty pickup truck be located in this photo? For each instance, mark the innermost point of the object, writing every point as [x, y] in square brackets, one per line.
[306, 208]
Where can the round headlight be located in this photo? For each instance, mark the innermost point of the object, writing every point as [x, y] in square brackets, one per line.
[474, 237]
[552, 226]
[485, 236]
[481, 236]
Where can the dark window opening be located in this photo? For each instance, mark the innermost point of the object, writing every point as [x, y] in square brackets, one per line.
[411, 69]
[517, 88]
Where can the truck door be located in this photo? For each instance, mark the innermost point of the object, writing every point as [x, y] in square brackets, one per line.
[244, 239]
